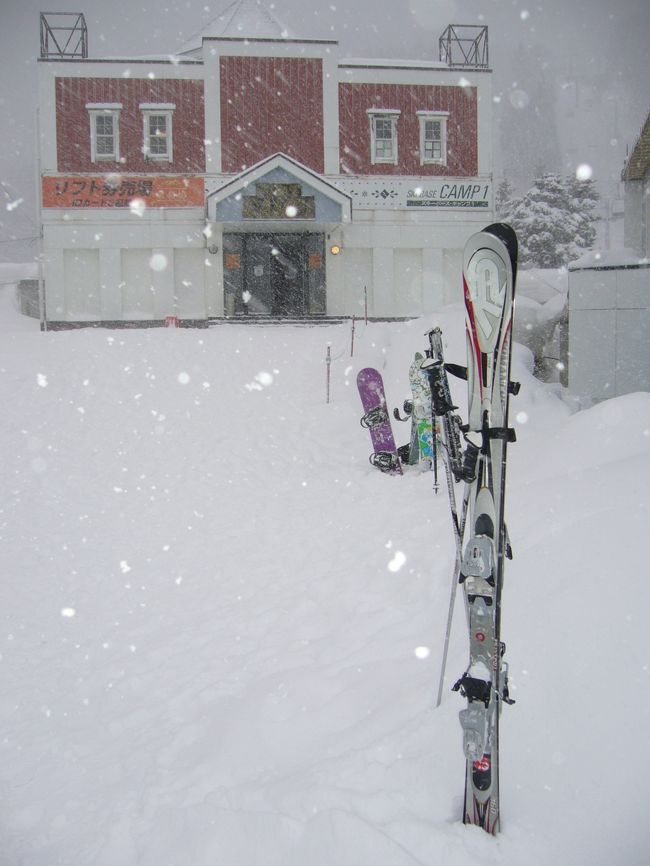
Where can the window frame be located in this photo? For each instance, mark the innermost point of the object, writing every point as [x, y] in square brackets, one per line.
[442, 117]
[392, 115]
[150, 110]
[104, 109]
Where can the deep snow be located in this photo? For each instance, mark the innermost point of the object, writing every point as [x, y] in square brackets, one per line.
[216, 614]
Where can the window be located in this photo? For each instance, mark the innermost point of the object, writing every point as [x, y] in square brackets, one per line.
[157, 131]
[433, 137]
[383, 136]
[104, 131]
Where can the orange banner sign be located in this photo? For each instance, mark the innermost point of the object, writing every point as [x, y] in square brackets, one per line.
[123, 191]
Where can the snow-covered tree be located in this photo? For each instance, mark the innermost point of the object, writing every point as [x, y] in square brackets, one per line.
[503, 198]
[582, 199]
[553, 221]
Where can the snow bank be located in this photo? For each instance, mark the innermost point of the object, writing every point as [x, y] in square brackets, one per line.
[222, 627]
[616, 258]
[13, 272]
[542, 284]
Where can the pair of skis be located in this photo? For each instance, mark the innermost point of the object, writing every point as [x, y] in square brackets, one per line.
[489, 276]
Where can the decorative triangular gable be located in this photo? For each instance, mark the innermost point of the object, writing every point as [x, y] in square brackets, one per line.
[279, 188]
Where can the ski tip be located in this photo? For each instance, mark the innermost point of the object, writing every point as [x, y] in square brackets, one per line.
[508, 237]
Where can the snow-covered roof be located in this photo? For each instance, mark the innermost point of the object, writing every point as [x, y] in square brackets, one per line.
[617, 258]
[638, 162]
[391, 63]
[248, 19]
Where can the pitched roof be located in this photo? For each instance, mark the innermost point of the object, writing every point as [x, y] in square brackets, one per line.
[638, 162]
[248, 19]
[300, 172]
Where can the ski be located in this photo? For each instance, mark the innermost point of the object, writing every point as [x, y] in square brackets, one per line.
[489, 275]
[458, 465]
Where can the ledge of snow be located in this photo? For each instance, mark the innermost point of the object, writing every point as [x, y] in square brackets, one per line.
[373, 61]
[624, 257]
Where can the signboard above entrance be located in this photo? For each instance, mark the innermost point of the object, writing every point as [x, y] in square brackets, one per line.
[384, 193]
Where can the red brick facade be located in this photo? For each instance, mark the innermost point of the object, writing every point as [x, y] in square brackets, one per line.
[73, 123]
[271, 105]
[354, 126]
[268, 105]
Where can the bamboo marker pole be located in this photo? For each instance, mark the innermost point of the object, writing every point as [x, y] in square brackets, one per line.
[328, 365]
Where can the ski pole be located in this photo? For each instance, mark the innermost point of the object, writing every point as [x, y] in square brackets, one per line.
[434, 456]
[459, 531]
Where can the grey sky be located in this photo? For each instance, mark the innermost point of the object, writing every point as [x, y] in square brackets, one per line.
[573, 40]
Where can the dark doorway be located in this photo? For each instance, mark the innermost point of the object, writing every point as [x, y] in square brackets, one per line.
[279, 275]
[287, 275]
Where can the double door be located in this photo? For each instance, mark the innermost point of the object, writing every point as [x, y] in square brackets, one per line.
[280, 275]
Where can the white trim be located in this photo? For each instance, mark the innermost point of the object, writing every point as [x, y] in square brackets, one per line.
[157, 106]
[104, 106]
[441, 117]
[392, 115]
[391, 63]
[300, 172]
[96, 110]
[147, 114]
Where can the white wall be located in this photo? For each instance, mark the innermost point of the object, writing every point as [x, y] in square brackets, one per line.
[609, 324]
[113, 266]
[82, 290]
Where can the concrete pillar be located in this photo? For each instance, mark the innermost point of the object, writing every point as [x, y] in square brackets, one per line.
[383, 289]
[163, 283]
[54, 279]
[110, 277]
[432, 280]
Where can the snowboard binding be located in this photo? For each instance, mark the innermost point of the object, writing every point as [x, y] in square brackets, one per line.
[376, 416]
[385, 461]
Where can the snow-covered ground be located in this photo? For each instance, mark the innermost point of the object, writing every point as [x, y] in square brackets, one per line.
[221, 628]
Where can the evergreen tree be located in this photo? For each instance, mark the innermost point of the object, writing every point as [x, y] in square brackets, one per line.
[582, 199]
[554, 221]
[504, 199]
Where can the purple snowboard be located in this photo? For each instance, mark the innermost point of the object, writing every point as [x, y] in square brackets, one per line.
[377, 421]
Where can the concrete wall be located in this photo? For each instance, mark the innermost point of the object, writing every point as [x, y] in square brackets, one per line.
[609, 331]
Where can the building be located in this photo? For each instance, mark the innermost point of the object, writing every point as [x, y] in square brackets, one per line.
[258, 173]
[636, 181]
[608, 353]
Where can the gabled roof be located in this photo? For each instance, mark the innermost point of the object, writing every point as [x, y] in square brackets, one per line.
[300, 172]
[248, 19]
[638, 162]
